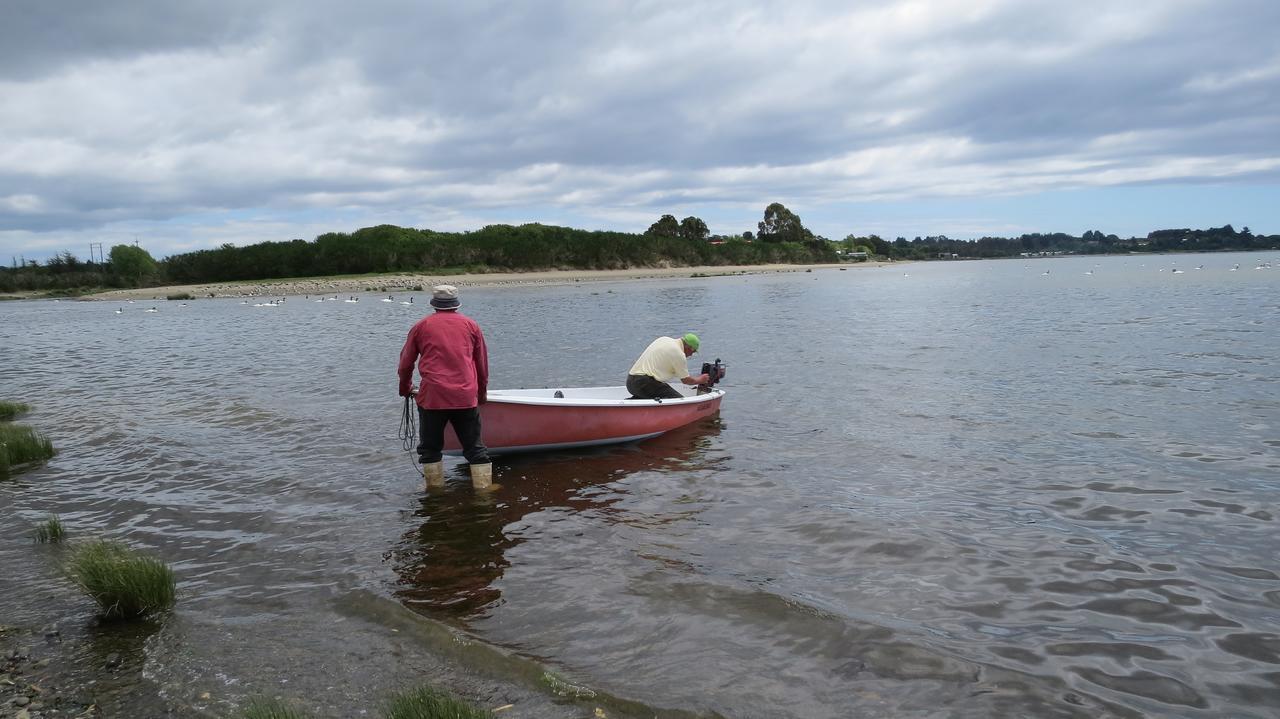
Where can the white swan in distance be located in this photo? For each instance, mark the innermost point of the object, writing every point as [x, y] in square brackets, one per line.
[119, 310]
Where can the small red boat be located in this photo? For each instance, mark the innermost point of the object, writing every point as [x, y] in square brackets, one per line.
[532, 420]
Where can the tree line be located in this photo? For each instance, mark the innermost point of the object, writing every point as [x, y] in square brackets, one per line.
[780, 237]
[388, 248]
[1093, 242]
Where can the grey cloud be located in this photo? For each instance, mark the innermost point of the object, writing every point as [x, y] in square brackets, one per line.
[39, 37]
[394, 106]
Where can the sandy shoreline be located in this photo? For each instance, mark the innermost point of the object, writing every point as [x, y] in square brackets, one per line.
[403, 281]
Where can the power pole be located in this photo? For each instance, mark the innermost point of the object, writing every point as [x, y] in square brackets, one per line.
[96, 246]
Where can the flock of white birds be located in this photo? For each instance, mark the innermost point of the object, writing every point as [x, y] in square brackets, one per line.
[277, 302]
[1173, 269]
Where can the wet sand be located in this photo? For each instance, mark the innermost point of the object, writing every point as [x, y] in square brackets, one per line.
[418, 282]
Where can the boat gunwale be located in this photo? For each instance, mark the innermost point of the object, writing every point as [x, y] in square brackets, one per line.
[498, 397]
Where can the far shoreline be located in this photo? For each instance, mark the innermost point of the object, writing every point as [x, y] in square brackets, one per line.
[423, 281]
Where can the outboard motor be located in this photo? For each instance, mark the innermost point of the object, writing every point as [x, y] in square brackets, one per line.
[714, 372]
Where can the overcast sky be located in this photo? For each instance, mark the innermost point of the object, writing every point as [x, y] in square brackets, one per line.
[185, 125]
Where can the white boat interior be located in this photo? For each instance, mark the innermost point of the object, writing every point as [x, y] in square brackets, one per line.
[594, 396]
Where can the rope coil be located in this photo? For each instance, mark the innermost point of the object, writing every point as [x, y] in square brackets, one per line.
[408, 433]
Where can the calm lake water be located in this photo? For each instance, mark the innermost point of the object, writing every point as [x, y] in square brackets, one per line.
[1014, 488]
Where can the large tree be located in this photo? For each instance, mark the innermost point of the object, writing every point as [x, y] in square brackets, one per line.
[666, 226]
[132, 263]
[781, 225]
[693, 228]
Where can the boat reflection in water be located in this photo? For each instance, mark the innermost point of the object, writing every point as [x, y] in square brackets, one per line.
[447, 566]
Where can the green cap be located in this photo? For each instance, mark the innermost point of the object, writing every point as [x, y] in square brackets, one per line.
[692, 340]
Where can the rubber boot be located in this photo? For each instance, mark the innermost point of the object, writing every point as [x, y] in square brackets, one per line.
[482, 475]
[434, 473]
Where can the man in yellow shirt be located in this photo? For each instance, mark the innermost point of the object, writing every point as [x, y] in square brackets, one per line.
[664, 360]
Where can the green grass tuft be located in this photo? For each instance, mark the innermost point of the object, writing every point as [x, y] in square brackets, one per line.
[124, 582]
[564, 688]
[429, 703]
[9, 410]
[180, 296]
[20, 444]
[50, 530]
[270, 709]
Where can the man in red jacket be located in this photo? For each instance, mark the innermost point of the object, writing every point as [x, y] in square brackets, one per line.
[453, 366]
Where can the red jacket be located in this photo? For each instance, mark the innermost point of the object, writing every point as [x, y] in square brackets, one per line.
[453, 362]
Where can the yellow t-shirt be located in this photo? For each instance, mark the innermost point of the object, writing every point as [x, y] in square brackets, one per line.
[662, 360]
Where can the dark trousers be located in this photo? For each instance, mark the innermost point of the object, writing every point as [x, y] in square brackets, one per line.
[466, 422]
[646, 387]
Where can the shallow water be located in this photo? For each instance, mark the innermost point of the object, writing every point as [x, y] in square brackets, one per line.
[960, 489]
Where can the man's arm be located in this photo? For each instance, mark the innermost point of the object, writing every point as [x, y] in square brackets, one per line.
[700, 379]
[408, 356]
[482, 368]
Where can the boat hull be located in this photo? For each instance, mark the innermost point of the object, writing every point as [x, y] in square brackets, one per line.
[535, 420]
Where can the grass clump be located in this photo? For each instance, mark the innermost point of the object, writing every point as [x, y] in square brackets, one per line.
[430, 703]
[180, 296]
[564, 688]
[124, 582]
[20, 444]
[270, 709]
[50, 530]
[9, 410]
